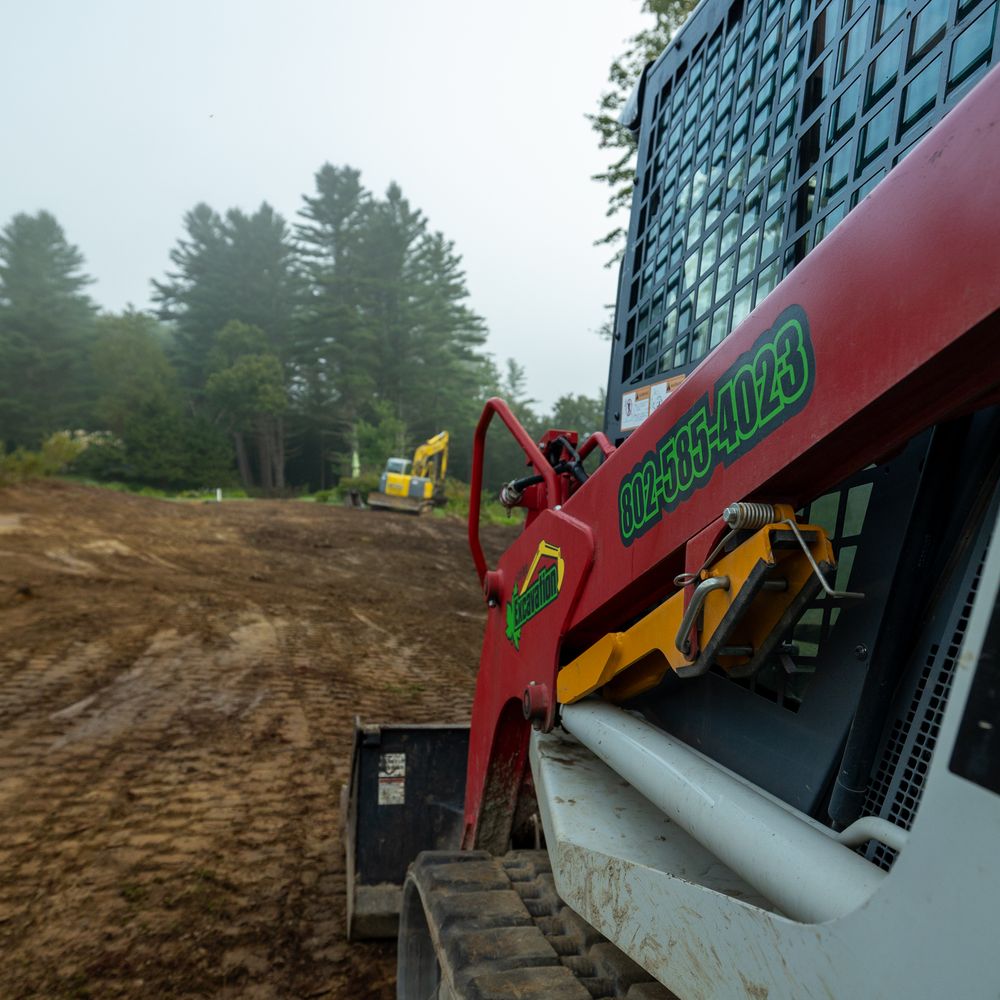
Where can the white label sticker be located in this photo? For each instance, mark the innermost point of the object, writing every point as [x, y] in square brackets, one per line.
[635, 407]
[637, 404]
[391, 779]
[658, 393]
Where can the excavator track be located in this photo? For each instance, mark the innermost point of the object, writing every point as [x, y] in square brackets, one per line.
[402, 505]
[479, 927]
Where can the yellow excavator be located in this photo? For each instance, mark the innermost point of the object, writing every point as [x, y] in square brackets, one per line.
[417, 485]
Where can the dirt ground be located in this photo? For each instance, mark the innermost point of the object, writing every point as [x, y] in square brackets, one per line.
[177, 688]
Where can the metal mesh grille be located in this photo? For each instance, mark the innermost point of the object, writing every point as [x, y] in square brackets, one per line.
[761, 129]
[895, 789]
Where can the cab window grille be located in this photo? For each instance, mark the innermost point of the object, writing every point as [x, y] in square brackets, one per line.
[764, 125]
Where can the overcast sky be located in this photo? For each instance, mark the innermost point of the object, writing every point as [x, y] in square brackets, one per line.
[120, 115]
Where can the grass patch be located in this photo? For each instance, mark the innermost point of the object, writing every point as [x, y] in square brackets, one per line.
[134, 489]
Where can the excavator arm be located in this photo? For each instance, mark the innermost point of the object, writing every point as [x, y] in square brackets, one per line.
[430, 460]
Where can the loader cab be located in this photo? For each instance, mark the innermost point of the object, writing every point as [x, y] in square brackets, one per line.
[399, 466]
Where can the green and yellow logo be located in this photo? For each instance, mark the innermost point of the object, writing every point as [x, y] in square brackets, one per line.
[535, 592]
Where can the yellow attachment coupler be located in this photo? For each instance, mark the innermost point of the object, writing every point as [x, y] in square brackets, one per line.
[741, 606]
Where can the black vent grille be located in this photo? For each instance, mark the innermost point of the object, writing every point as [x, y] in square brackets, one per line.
[898, 782]
[763, 125]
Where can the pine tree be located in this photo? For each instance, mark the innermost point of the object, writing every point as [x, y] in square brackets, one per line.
[237, 267]
[451, 340]
[333, 343]
[388, 300]
[389, 346]
[247, 390]
[235, 272]
[46, 320]
[198, 296]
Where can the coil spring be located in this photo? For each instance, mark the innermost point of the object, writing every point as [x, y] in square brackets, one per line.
[749, 515]
[737, 516]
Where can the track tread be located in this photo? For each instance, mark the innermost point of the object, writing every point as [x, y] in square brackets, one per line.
[503, 933]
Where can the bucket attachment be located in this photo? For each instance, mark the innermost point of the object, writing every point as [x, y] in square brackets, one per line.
[406, 794]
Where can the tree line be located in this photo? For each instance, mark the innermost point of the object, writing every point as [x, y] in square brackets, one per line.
[287, 355]
[284, 355]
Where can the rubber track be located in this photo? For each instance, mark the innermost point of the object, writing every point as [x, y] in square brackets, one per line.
[503, 933]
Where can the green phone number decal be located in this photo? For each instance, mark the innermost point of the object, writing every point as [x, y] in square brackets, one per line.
[761, 390]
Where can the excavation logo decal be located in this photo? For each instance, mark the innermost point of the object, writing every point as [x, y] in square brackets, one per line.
[536, 591]
[763, 388]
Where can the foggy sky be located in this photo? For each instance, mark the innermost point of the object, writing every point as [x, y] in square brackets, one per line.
[120, 115]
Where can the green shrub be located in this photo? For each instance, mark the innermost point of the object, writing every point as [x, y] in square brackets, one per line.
[56, 453]
[104, 460]
[366, 483]
[491, 511]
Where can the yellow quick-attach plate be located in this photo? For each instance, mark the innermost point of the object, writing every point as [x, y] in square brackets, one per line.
[624, 664]
[646, 650]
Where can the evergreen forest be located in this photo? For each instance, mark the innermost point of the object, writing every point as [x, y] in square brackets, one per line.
[281, 355]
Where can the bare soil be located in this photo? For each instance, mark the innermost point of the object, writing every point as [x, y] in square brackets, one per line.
[178, 683]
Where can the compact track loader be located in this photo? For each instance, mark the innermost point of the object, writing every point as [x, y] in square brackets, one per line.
[736, 730]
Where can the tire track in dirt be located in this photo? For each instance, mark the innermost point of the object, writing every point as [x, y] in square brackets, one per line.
[175, 724]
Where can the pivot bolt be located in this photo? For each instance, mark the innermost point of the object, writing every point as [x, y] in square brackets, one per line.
[861, 651]
[537, 705]
[493, 587]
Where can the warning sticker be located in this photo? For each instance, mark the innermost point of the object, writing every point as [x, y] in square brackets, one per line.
[637, 404]
[391, 779]
[635, 407]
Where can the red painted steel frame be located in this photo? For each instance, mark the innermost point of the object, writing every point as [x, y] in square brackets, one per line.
[902, 304]
[531, 450]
